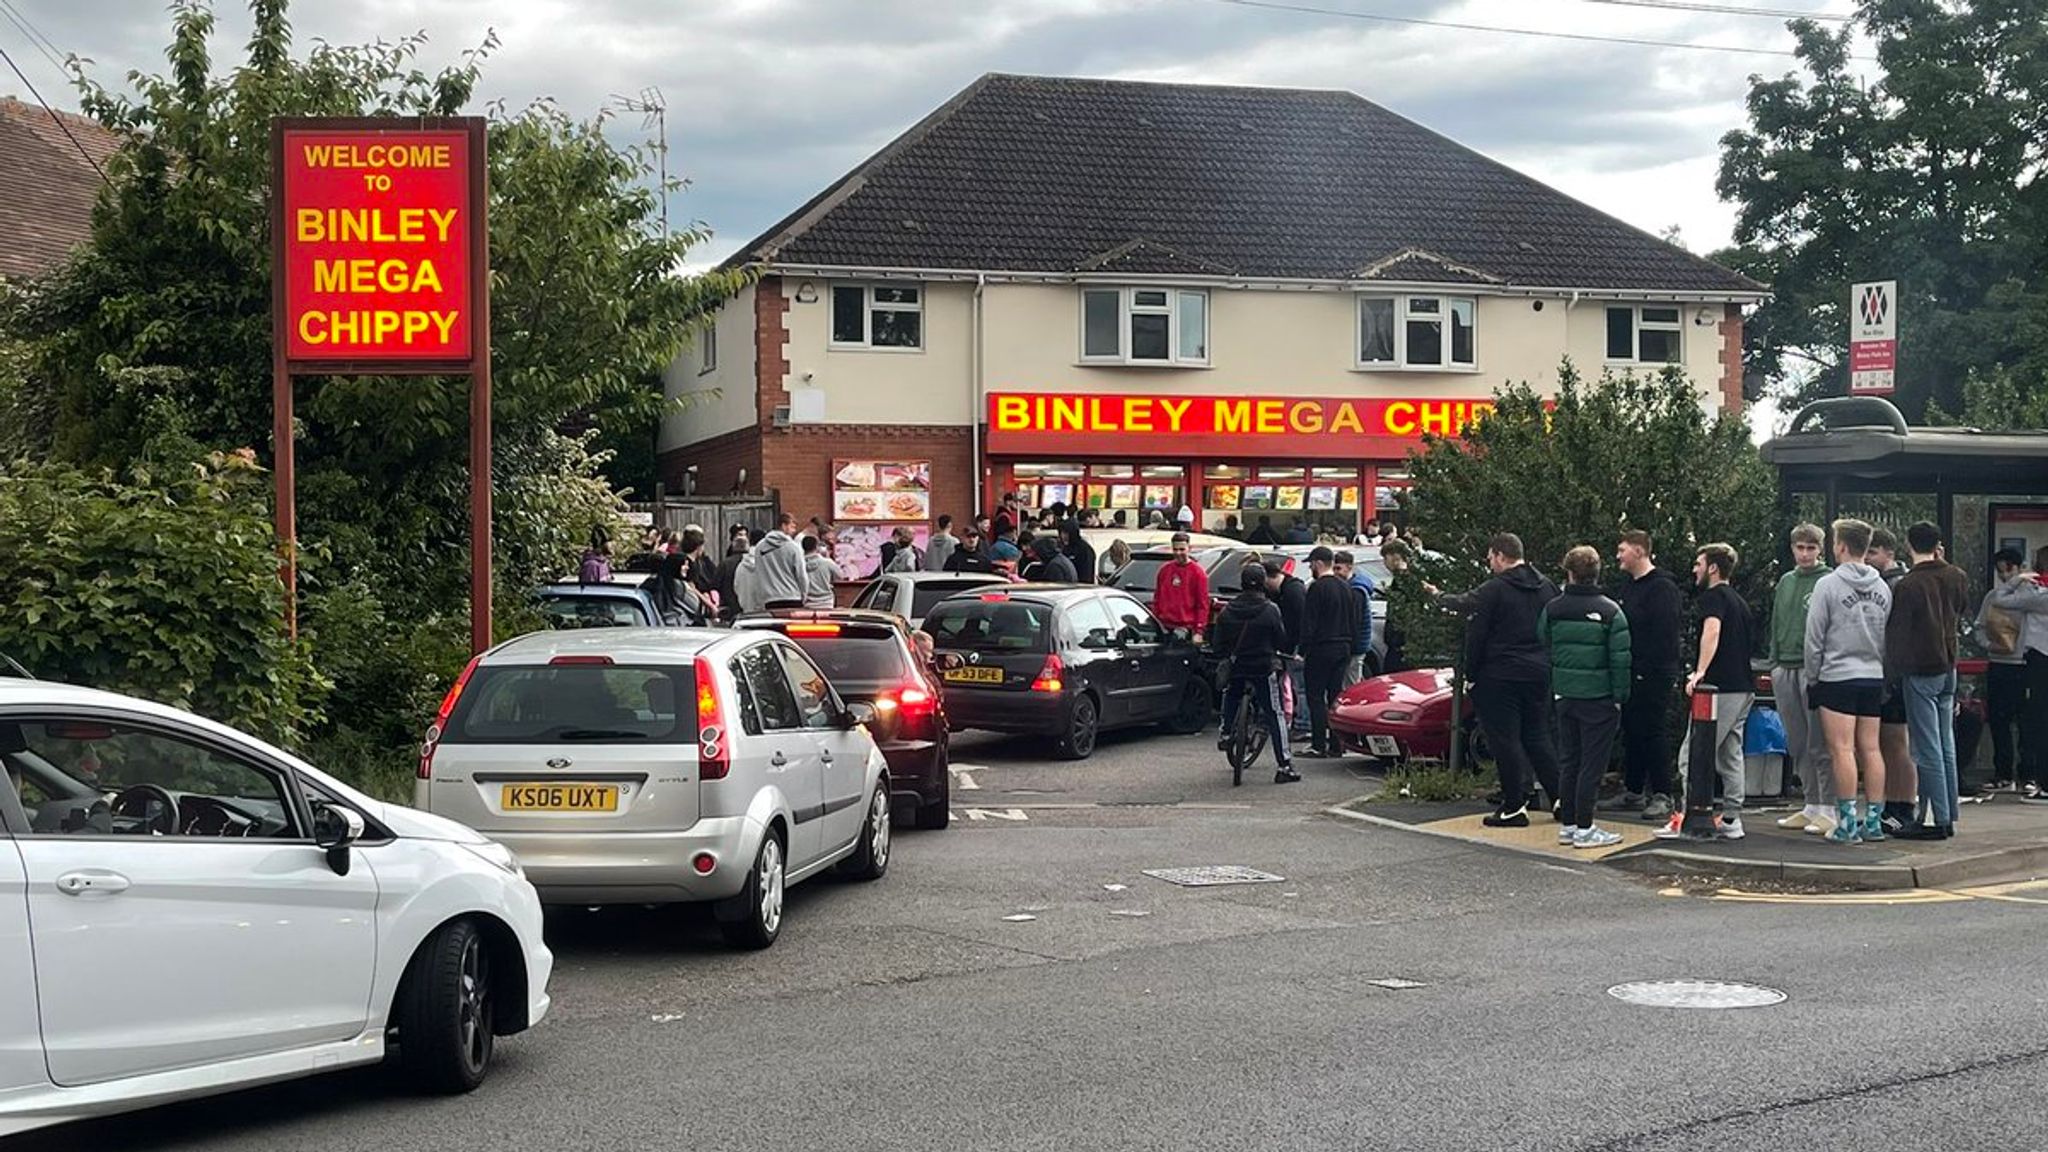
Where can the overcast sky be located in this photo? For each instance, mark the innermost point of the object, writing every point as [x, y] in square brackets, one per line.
[770, 100]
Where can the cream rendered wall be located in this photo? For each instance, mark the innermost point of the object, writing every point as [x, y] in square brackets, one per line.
[1699, 346]
[930, 385]
[721, 400]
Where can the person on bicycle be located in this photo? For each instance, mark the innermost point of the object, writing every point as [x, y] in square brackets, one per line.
[1249, 633]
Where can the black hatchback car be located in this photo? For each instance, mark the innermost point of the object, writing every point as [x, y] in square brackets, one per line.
[870, 658]
[1064, 661]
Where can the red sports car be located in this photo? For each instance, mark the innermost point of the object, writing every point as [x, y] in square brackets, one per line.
[1398, 716]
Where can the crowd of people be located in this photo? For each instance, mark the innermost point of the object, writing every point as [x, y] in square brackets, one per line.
[1863, 656]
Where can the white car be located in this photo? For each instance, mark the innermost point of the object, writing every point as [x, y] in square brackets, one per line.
[186, 910]
[658, 766]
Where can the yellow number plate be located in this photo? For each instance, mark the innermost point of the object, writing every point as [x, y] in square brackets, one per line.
[560, 798]
[975, 675]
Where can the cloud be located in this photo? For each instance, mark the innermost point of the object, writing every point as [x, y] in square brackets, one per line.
[771, 100]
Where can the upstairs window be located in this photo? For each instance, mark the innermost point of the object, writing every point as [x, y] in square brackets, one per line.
[878, 316]
[1420, 332]
[1145, 326]
[1644, 335]
[707, 348]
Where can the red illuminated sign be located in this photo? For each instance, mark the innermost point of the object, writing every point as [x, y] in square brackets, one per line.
[1317, 426]
[376, 245]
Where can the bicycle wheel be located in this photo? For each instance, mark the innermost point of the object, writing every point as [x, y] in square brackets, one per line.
[1256, 742]
[1241, 751]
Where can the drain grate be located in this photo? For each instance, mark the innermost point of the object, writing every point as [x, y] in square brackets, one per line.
[1710, 994]
[1210, 875]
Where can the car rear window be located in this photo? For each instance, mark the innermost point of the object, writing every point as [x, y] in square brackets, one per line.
[574, 704]
[856, 655]
[567, 610]
[1141, 574]
[926, 593]
[990, 625]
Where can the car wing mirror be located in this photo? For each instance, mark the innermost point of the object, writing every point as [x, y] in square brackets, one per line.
[859, 714]
[335, 830]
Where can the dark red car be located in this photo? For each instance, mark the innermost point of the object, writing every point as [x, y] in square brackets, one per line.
[870, 658]
[1399, 716]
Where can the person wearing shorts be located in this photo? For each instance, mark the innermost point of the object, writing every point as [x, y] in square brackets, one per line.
[1845, 628]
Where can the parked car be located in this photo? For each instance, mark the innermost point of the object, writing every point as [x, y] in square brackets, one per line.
[870, 658]
[1399, 716]
[662, 765]
[1064, 661]
[1140, 578]
[1143, 540]
[624, 601]
[912, 594]
[195, 911]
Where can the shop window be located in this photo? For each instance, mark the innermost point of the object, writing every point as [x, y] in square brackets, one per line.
[878, 316]
[1649, 334]
[1417, 332]
[1159, 326]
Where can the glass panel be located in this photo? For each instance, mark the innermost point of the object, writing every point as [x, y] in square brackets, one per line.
[1621, 334]
[813, 699]
[987, 626]
[69, 769]
[1088, 619]
[1226, 472]
[1659, 346]
[1148, 336]
[1194, 326]
[524, 704]
[1113, 471]
[1032, 470]
[898, 329]
[1148, 299]
[1425, 341]
[849, 315]
[1161, 472]
[1461, 331]
[1376, 331]
[1424, 306]
[774, 703]
[1098, 324]
[1349, 475]
[1281, 473]
[896, 295]
[1660, 315]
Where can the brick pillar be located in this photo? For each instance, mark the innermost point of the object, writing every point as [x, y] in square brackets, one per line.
[1731, 359]
[771, 350]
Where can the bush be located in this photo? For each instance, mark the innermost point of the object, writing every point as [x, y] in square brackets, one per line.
[163, 587]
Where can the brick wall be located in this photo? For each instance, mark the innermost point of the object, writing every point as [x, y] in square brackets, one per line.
[1731, 359]
[771, 350]
[798, 461]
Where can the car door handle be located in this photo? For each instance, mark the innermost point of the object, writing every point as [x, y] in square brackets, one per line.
[825, 757]
[778, 760]
[86, 883]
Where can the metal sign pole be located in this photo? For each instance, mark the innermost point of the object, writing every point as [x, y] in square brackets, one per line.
[480, 399]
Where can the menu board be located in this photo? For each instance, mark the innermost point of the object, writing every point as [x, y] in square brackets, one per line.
[1322, 499]
[1223, 496]
[1027, 495]
[1288, 497]
[1051, 494]
[1258, 496]
[1348, 498]
[1159, 495]
[1123, 496]
[877, 490]
[1098, 496]
[859, 549]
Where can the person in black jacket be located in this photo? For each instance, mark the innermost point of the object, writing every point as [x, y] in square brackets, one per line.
[728, 574]
[971, 555]
[1079, 551]
[1329, 630]
[1049, 566]
[1291, 595]
[1656, 619]
[1249, 633]
[1509, 671]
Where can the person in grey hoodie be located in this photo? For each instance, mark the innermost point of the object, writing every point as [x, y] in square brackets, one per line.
[939, 548]
[819, 573]
[772, 573]
[1845, 625]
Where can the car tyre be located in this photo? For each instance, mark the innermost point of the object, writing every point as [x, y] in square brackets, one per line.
[445, 1012]
[934, 815]
[870, 859]
[760, 913]
[1196, 711]
[1084, 723]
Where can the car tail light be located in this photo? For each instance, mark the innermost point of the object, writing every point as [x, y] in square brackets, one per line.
[994, 596]
[433, 739]
[1049, 675]
[714, 754]
[915, 701]
[812, 630]
[581, 660]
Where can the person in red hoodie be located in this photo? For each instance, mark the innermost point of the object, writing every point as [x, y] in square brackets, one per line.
[1181, 598]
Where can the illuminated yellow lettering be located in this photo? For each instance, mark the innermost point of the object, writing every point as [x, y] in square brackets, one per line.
[1013, 413]
[1138, 414]
[1400, 419]
[1175, 410]
[1233, 416]
[1269, 418]
[1306, 416]
[1346, 419]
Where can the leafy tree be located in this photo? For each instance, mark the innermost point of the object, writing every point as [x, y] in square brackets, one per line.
[1929, 175]
[1623, 452]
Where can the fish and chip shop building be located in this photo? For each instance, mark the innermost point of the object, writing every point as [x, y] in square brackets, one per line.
[1252, 301]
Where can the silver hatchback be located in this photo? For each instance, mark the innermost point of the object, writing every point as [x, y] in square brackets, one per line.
[656, 766]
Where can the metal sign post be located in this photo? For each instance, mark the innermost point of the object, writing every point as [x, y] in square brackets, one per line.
[381, 266]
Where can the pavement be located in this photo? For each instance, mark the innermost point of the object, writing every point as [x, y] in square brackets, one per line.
[1997, 838]
[1018, 982]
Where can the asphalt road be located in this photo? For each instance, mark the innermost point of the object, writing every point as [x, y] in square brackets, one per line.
[910, 1014]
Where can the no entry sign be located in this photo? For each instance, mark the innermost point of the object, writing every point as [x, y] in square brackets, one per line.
[376, 252]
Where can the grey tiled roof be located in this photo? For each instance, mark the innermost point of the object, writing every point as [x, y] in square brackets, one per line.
[1041, 174]
[47, 187]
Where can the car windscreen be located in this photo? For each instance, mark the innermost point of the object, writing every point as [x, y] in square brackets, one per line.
[990, 625]
[574, 703]
[571, 610]
[856, 656]
[925, 593]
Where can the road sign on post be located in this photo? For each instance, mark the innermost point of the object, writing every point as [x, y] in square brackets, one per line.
[380, 266]
[1873, 337]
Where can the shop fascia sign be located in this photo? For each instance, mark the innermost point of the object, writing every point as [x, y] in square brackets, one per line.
[1030, 418]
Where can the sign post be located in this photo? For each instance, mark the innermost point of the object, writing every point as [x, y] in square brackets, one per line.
[380, 266]
[1873, 338]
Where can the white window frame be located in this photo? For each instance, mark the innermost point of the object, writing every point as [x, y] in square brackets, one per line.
[707, 349]
[1127, 306]
[1446, 305]
[1635, 337]
[870, 306]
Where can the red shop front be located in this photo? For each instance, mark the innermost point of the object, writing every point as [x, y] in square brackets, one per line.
[1334, 462]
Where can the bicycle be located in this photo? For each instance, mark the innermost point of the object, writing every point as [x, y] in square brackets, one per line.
[1247, 739]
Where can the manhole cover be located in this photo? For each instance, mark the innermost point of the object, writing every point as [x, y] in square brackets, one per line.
[1208, 875]
[1695, 994]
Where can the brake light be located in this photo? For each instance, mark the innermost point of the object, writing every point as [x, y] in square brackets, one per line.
[812, 629]
[433, 739]
[581, 660]
[714, 756]
[915, 701]
[991, 597]
[1049, 675]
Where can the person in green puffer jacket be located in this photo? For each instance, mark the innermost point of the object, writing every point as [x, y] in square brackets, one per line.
[1586, 635]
